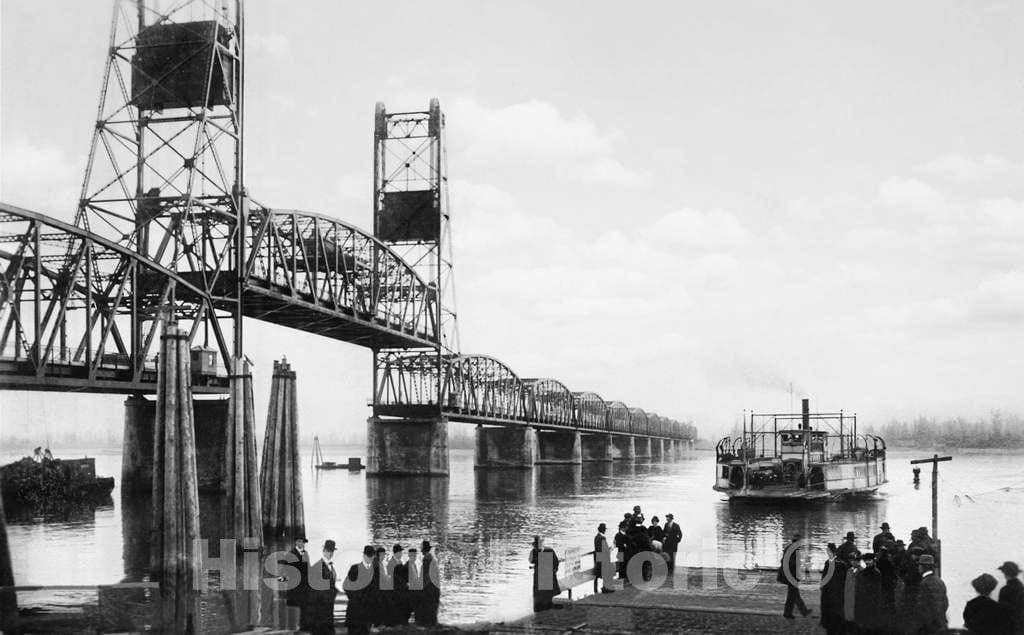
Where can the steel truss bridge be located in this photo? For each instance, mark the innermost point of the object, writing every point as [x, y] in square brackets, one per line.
[165, 230]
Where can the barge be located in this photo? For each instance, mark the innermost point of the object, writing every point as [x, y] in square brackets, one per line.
[802, 456]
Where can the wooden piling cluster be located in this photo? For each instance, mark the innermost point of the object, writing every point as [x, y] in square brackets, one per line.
[241, 478]
[280, 479]
[175, 488]
[8, 597]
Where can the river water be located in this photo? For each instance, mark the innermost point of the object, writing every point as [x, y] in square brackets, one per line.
[482, 522]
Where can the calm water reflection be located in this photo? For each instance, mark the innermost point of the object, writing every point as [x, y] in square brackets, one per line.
[482, 522]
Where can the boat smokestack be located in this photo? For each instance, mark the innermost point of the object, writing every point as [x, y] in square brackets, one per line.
[807, 414]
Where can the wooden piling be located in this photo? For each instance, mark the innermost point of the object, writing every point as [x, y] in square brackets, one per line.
[175, 561]
[241, 481]
[280, 480]
[8, 597]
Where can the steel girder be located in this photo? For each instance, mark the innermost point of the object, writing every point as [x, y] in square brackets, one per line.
[81, 313]
[323, 276]
[549, 401]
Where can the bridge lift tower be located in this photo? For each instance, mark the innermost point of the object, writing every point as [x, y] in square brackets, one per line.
[164, 175]
[411, 215]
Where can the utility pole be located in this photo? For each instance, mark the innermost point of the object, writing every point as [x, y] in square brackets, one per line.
[935, 494]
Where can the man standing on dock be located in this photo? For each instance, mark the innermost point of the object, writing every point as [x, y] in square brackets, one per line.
[788, 576]
[1012, 595]
[882, 538]
[602, 560]
[673, 536]
[932, 600]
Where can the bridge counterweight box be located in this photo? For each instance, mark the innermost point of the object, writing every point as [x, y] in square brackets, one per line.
[172, 63]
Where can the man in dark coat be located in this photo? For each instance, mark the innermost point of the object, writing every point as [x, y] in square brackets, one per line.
[868, 614]
[983, 614]
[622, 545]
[396, 611]
[673, 535]
[881, 538]
[382, 595]
[932, 600]
[788, 575]
[415, 595]
[545, 576]
[887, 568]
[431, 587]
[848, 547]
[833, 581]
[602, 560]
[322, 579]
[1012, 596]
[358, 585]
[296, 593]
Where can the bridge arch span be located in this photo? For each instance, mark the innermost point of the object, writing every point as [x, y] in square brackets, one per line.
[590, 411]
[549, 401]
[484, 386]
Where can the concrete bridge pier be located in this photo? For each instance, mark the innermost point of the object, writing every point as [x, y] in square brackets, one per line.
[642, 447]
[596, 447]
[559, 446]
[623, 447]
[658, 450]
[506, 447]
[415, 447]
[677, 449]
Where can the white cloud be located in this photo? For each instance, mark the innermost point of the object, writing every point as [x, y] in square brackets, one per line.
[987, 170]
[540, 133]
[909, 194]
[1000, 298]
[716, 266]
[39, 177]
[699, 229]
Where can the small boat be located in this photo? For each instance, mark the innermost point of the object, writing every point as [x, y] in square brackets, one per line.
[803, 456]
[43, 482]
[354, 464]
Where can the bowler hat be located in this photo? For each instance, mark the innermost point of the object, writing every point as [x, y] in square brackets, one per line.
[330, 546]
[602, 527]
[984, 584]
[927, 560]
[885, 525]
[868, 556]
[369, 551]
[397, 548]
[669, 516]
[425, 546]
[1010, 568]
[849, 535]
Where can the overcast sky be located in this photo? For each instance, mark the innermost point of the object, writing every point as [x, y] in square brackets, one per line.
[685, 206]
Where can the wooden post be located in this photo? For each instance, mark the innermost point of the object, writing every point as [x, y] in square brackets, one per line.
[175, 487]
[280, 479]
[8, 597]
[935, 460]
[240, 478]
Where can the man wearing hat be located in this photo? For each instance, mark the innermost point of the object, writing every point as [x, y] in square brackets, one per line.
[670, 543]
[602, 559]
[1012, 595]
[932, 600]
[359, 586]
[296, 593]
[394, 602]
[322, 578]
[983, 614]
[849, 546]
[431, 598]
[881, 538]
[788, 575]
[869, 615]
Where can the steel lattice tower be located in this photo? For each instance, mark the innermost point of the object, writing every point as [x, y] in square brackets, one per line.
[411, 215]
[165, 170]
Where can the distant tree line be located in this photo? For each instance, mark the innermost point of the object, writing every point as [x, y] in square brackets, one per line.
[999, 430]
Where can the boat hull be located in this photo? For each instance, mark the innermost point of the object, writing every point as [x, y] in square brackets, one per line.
[792, 494]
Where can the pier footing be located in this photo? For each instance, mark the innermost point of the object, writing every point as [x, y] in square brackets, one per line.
[505, 447]
[407, 446]
[658, 449]
[558, 447]
[596, 447]
[623, 447]
[642, 448]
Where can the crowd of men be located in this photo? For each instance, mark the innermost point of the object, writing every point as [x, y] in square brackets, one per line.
[896, 588]
[633, 538]
[383, 589]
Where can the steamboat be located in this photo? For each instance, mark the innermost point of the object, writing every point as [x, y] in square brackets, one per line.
[805, 456]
